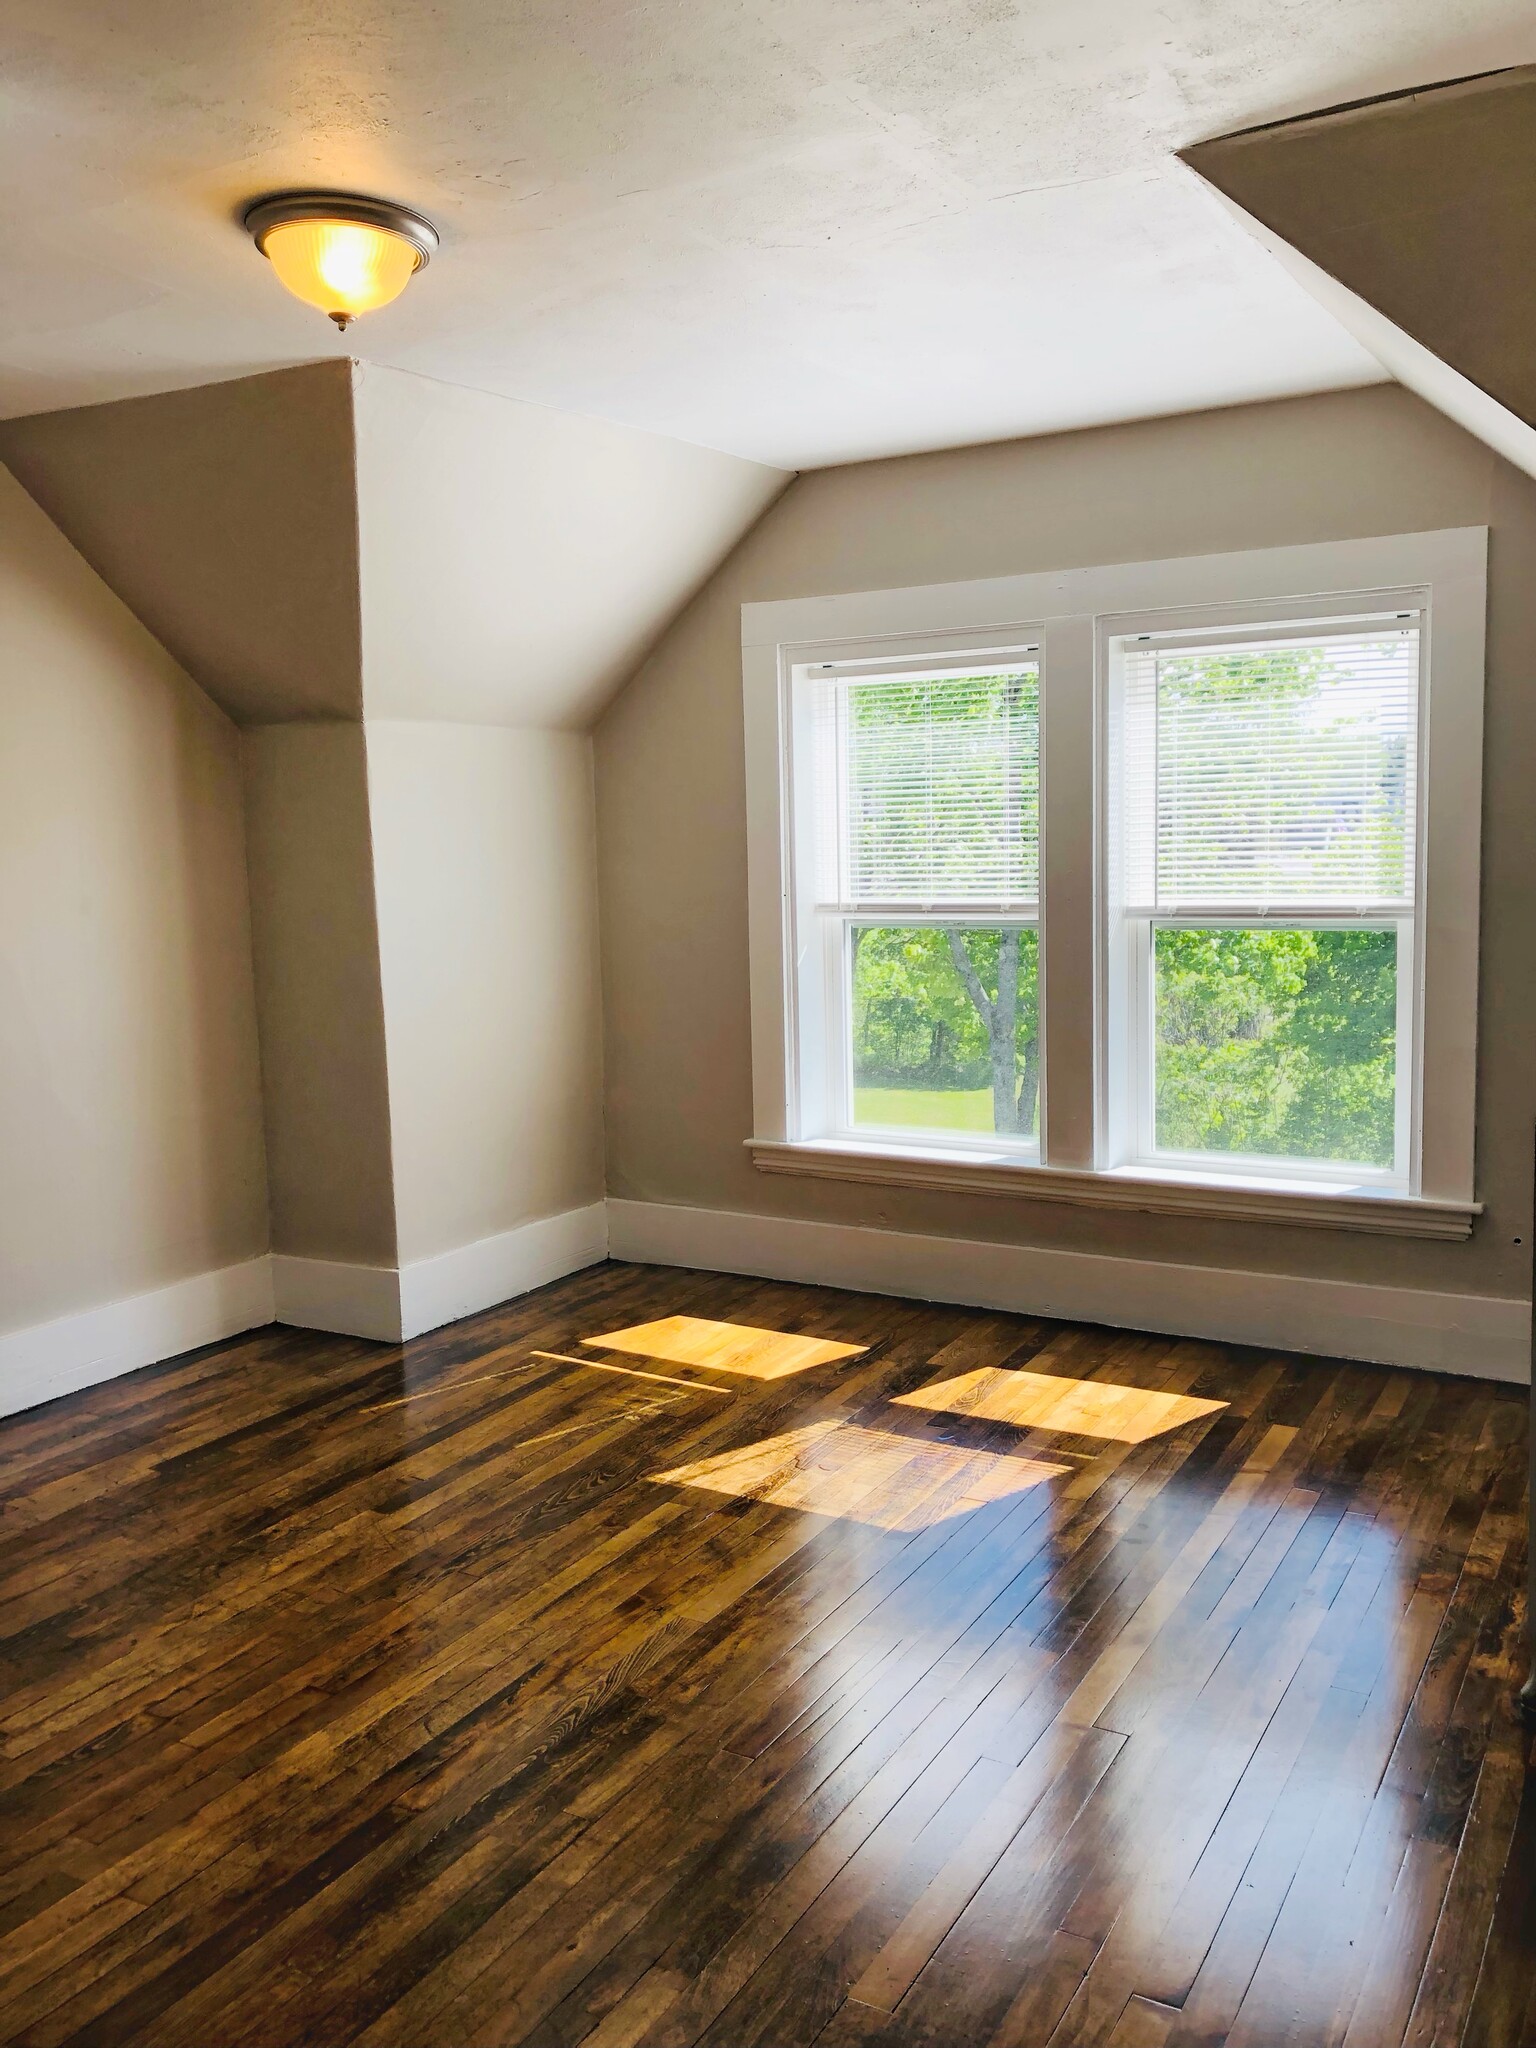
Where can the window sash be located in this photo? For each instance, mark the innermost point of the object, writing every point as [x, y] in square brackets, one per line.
[1318, 781]
[1138, 938]
[1138, 894]
[836, 950]
[953, 821]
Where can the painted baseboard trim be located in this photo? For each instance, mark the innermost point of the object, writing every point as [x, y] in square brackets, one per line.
[329, 1294]
[1482, 1336]
[1479, 1335]
[475, 1276]
[395, 1303]
[49, 1359]
[386, 1303]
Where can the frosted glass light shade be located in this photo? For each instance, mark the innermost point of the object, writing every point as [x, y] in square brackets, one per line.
[344, 267]
[341, 251]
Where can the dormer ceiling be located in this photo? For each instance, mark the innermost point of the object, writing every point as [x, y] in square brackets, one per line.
[1410, 218]
[226, 520]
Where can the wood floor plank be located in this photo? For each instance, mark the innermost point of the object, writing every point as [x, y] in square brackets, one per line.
[1158, 1954]
[919, 1676]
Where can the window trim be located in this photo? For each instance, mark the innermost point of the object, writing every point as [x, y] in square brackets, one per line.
[1070, 612]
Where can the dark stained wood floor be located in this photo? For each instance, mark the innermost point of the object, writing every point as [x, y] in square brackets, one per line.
[360, 1695]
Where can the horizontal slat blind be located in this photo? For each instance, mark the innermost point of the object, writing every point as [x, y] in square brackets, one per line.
[1277, 773]
[929, 788]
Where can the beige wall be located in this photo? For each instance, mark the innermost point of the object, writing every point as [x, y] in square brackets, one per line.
[326, 1095]
[130, 1123]
[672, 848]
[516, 562]
[484, 848]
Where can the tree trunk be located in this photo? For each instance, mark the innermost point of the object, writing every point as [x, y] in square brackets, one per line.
[1002, 1032]
[1029, 1088]
[1001, 1018]
[855, 1009]
[937, 1046]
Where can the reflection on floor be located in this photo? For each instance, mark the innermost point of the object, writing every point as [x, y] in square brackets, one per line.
[726, 1347]
[864, 1475]
[1037, 1400]
[972, 1679]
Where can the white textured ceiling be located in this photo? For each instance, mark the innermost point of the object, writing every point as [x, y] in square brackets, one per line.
[799, 230]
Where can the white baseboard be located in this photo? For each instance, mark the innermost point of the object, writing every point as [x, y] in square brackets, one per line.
[1480, 1335]
[386, 1303]
[49, 1359]
[475, 1276]
[394, 1303]
[328, 1294]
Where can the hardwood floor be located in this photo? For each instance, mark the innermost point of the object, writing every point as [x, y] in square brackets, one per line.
[951, 1679]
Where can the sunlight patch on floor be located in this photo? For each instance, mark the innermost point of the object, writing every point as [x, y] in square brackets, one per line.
[1038, 1400]
[725, 1347]
[864, 1475]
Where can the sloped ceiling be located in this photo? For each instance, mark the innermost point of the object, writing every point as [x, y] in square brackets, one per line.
[1411, 218]
[225, 519]
[330, 541]
[517, 563]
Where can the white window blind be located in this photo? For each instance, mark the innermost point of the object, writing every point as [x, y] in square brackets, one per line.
[929, 789]
[1272, 772]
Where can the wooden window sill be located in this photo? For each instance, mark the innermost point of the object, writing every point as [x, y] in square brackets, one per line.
[1248, 1200]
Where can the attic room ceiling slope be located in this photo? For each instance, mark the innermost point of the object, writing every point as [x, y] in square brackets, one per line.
[1410, 218]
[338, 541]
[806, 232]
[225, 519]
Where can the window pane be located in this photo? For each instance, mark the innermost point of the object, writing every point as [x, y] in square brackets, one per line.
[937, 1043]
[938, 788]
[1279, 1043]
[1284, 773]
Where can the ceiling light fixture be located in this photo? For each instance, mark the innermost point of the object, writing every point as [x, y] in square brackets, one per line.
[340, 253]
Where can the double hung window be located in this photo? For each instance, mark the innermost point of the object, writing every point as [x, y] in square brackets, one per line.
[1168, 898]
[1266, 800]
[927, 786]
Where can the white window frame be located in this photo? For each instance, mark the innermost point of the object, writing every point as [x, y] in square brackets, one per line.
[1086, 1152]
[1126, 964]
[820, 1079]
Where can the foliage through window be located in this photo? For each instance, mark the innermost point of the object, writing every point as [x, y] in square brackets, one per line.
[1277, 1043]
[929, 803]
[946, 1028]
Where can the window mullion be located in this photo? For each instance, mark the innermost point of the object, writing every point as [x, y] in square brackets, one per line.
[1069, 969]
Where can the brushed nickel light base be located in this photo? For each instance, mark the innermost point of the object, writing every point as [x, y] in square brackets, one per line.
[278, 209]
